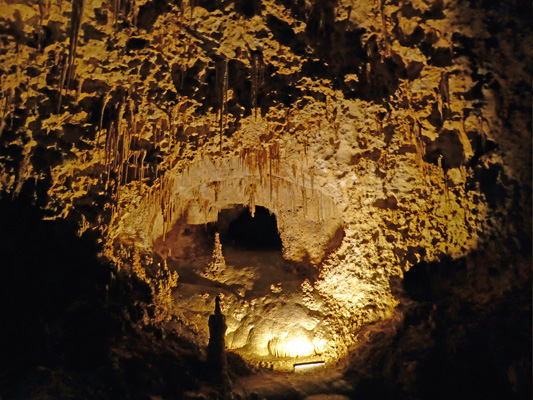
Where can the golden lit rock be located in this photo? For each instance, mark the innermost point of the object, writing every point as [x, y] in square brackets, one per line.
[297, 159]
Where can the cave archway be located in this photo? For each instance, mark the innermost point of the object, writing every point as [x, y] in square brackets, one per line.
[269, 316]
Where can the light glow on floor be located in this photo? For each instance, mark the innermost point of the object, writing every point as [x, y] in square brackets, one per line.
[309, 366]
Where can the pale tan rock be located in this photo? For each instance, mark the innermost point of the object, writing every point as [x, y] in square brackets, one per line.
[348, 149]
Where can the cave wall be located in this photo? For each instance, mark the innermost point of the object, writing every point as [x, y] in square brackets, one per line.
[408, 124]
[308, 219]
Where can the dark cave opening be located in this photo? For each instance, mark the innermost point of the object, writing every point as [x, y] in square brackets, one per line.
[239, 229]
[430, 281]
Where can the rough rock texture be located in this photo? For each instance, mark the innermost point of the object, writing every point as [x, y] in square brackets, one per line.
[385, 136]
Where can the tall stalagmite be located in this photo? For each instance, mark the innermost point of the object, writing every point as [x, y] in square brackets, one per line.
[389, 141]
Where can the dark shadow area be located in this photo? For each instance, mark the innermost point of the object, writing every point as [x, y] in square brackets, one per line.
[461, 335]
[258, 232]
[429, 281]
[72, 326]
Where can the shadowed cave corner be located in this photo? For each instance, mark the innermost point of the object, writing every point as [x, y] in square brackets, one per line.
[72, 325]
[459, 333]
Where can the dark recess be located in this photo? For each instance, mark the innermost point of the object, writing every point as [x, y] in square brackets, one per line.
[63, 311]
[427, 281]
[248, 8]
[253, 233]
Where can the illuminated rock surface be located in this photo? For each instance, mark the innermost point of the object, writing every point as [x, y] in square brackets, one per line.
[353, 178]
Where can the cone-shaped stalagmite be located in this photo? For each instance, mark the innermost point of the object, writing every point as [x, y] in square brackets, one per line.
[216, 356]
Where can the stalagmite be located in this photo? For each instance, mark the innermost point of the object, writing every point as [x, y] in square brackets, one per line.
[217, 266]
[372, 138]
[216, 352]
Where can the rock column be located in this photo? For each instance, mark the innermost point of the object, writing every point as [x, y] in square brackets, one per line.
[216, 356]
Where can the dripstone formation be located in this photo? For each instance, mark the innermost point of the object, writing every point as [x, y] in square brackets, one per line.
[367, 165]
[216, 349]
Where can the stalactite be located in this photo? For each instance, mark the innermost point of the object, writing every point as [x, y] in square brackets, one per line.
[135, 165]
[64, 69]
[106, 148]
[192, 4]
[384, 31]
[305, 145]
[116, 8]
[416, 137]
[336, 124]
[182, 12]
[261, 161]
[170, 208]
[320, 210]
[444, 89]
[115, 142]
[117, 194]
[205, 208]
[141, 177]
[75, 24]
[164, 202]
[44, 11]
[257, 78]
[4, 116]
[120, 139]
[128, 138]
[443, 97]
[304, 194]
[224, 109]
[109, 152]
[312, 179]
[221, 83]
[242, 157]
[252, 199]
[7, 106]
[80, 84]
[443, 174]
[170, 124]
[104, 105]
[125, 158]
[134, 12]
[133, 119]
[275, 155]
[379, 127]
[270, 174]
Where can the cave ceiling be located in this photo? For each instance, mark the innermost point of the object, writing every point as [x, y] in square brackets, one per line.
[379, 134]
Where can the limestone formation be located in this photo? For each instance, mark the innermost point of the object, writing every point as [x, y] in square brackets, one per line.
[217, 266]
[216, 349]
[382, 135]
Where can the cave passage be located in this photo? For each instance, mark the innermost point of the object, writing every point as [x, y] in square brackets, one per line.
[259, 232]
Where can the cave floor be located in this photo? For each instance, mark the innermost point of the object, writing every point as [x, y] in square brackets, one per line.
[326, 384]
[248, 274]
[322, 384]
[261, 296]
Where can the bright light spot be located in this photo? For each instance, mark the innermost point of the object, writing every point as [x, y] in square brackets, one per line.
[303, 367]
[319, 345]
[291, 347]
